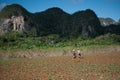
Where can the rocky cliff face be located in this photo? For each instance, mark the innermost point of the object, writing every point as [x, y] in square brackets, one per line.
[15, 23]
[86, 23]
[18, 23]
[15, 18]
[110, 26]
[106, 21]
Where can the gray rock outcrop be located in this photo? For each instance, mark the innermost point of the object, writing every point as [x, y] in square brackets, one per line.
[106, 21]
[18, 23]
[15, 23]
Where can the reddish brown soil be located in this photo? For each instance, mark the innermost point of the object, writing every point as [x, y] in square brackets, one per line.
[89, 67]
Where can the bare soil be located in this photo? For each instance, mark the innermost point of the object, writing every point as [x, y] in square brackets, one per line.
[99, 66]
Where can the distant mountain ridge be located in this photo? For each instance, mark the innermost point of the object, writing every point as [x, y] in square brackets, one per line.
[106, 21]
[51, 21]
[110, 25]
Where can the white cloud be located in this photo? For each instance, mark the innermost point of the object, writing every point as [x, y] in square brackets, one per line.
[2, 5]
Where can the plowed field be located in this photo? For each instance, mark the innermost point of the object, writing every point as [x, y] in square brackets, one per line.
[102, 66]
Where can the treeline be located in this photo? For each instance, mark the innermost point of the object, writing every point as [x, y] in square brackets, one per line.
[20, 41]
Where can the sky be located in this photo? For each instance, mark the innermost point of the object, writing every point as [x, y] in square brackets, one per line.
[102, 8]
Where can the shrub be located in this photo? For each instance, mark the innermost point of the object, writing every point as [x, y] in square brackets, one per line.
[108, 37]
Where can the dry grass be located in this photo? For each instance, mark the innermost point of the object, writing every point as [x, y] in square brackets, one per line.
[33, 53]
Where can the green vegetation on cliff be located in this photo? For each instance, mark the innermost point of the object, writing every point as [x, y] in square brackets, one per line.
[13, 10]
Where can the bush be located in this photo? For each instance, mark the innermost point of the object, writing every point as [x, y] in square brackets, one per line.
[115, 37]
[13, 40]
[108, 37]
[82, 38]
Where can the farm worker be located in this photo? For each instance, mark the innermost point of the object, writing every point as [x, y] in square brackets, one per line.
[79, 52]
[74, 53]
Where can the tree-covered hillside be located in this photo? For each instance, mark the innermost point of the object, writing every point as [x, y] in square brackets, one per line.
[13, 10]
[54, 21]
